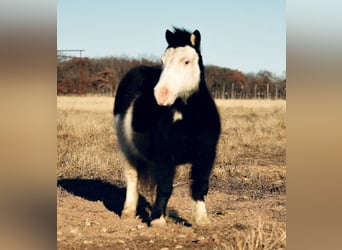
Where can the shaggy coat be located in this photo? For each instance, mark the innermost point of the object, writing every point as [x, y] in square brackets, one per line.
[155, 138]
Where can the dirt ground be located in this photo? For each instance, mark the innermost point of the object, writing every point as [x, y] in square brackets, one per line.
[246, 201]
[90, 219]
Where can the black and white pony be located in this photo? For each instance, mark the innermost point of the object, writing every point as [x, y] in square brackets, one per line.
[164, 117]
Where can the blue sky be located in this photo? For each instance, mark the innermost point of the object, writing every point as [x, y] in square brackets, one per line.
[247, 35]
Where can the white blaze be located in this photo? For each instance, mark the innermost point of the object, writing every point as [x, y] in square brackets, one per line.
[180, 76]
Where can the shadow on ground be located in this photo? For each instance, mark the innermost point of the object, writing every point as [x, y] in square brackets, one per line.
[112, 196]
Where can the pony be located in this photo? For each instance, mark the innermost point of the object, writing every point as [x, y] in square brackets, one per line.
[164, 116]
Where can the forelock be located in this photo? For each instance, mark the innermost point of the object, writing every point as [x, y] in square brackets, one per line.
[181, 38]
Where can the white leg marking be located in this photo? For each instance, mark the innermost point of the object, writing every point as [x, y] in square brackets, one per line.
[200, 213]
[177, 116]
[160, 222]
[132, 196]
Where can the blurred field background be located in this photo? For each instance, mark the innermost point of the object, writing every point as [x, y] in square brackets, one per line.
[253, 134]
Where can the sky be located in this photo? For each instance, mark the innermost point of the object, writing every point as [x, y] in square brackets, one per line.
[246, 35]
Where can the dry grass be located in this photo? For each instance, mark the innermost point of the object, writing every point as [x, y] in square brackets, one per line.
[258, 236]
[250, 163]
[253, 134]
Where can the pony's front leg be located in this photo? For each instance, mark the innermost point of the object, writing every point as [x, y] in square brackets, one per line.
[199, 189]
[132, 195]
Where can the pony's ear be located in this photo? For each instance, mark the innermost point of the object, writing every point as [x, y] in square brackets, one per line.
[169, 37]
[195, 39]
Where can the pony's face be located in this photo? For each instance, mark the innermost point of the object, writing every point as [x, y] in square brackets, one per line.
[180, 76]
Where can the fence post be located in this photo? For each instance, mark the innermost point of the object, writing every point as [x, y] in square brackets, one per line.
[232, 91]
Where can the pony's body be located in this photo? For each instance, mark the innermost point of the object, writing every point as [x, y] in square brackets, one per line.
[162, 122]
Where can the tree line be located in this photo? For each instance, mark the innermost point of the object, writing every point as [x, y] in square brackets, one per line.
[102, 75]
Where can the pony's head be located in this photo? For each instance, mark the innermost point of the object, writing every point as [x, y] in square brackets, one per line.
[181, 72]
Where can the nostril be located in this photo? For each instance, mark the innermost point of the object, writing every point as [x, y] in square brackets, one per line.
[161, 94]
[164, 92]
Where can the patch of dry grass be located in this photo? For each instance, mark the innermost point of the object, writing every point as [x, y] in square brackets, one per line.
[253, 140]
[86, 142]
[260, 235]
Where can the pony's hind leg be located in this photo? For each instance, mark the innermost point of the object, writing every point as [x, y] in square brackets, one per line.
[164, 191]
[131, 202]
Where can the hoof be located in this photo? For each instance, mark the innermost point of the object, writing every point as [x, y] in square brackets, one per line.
[128, 214]
[203, 221]
[160, 222]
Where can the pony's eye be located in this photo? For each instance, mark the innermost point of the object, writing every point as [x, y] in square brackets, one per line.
[186, 62]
